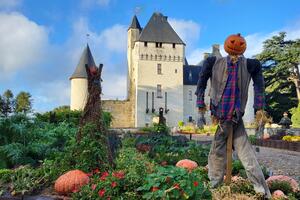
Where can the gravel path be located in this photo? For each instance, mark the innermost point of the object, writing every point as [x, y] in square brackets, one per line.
[281, 162]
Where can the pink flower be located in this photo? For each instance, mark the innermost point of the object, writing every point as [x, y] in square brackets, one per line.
[114, 184]
[154, 189]
[101, 192]
[119, 174]
[196, 183]
[103, 176]
[278, 194]
[94, 187]
[176, 186]
[96, 171]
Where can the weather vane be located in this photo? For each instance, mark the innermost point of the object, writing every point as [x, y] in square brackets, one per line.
[87, 38]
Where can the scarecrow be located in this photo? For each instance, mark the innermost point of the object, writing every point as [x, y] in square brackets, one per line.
[230, 78]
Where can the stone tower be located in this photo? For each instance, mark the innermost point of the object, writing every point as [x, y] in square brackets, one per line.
[156, 57]
[79, 80]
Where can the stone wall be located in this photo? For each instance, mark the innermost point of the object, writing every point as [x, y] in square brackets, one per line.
[121, 111]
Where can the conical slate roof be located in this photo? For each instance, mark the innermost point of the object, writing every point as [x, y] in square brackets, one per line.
[86, 58]
[158, 29]
[135, 23]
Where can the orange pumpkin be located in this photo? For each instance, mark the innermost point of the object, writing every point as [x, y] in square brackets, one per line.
[71, 181]
[235, 44]
[187, 164]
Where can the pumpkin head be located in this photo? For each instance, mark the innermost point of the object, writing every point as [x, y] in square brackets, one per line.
[187, 164]
[71, 181]
[235, 44]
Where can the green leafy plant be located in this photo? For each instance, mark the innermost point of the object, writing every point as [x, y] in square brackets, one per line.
[174, 183]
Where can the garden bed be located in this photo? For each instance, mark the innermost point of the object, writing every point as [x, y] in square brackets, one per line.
[279, 144]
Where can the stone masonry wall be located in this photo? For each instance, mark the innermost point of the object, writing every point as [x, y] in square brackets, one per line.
[121, 111]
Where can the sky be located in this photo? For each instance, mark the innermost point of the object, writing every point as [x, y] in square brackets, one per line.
[41, 41]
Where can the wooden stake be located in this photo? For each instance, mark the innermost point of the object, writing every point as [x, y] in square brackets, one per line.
[229, 155]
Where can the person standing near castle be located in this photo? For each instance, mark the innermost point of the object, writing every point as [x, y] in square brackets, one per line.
[230, 78]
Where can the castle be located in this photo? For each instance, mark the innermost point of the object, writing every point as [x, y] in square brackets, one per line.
[159, 77]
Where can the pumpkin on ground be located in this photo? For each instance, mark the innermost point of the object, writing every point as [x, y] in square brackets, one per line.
[278, 194]
[187, 164]
[235, 44]
[71, 181]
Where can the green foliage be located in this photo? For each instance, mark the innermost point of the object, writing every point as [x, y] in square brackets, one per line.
[180, 124]
[23, 102]
[5, 175]
[296, 117]
[135, 169]
[284, 186]
[171, 149]
[174, 183]
[7, 103]
[238, 169]
[60, 114]
[242, 186]
[24, 141]
[157, 128]
[252, 139]
[280, 59]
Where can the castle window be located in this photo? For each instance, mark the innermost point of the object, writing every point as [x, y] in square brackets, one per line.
[174, 45]
[155, 57]
[158, 91]
[158, 44]
[146, 56]
[159, 57]
[145, 44]
[159, 69]
[142, 56]
[190, 95]
[178, 58]
[175, 71]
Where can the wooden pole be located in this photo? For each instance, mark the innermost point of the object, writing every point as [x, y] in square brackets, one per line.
[229, 155]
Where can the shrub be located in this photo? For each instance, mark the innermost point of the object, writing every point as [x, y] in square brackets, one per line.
[174, 183]
[136, 165]
[296, 117]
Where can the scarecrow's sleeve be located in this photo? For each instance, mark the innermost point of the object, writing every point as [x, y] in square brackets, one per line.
[204, 75]
[254, 67]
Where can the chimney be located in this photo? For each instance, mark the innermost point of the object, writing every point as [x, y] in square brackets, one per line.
[205, 55]
[216, 50]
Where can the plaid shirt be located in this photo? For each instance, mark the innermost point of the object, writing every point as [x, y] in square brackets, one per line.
[230, 101]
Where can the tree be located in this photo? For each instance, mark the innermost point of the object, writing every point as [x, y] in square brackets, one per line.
[8, 103]
[1, 106]
[23, 102]
[280, 59]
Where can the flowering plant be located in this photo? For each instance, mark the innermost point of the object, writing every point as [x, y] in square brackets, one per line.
[175, 183]
[104, 185]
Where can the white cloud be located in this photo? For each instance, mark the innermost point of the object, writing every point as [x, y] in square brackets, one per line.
[9, 4]
[114, 86]
[22, 43]
[188, 30]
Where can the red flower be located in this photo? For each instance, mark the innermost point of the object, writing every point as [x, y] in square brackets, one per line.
[108, 198]
[176, 186]
[94, 187]
[196, 183]
[114, 184]
[96, 171]
[101, 192]
[75, 190]
[103, 176]
[89, 174]
[154, 189]
[119, 174]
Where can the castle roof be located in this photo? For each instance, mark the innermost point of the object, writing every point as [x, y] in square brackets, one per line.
[135, 23]
[191, 74]
[85, 59]
[158, 29]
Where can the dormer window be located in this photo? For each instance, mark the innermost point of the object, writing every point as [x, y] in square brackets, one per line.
[158, 44]
[174, 45]
[145, 44]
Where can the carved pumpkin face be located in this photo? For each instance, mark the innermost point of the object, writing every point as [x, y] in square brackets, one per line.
[235, 44]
